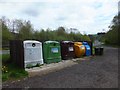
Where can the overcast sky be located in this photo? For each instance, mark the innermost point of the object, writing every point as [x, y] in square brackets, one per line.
[89, 16]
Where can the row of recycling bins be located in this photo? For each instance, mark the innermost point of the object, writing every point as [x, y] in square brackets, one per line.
[52, 51]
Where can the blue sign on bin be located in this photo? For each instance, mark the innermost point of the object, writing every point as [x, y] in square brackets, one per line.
[88, 50]
[54, 50]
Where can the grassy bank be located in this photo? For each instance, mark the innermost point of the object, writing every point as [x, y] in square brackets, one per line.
[11, 71]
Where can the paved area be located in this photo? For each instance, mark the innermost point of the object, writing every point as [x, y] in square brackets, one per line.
[47, 68]
[98, 72]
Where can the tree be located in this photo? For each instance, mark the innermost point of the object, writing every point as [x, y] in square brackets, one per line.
[6, 34]
[85, 38]
[26, 31]
[112, 35]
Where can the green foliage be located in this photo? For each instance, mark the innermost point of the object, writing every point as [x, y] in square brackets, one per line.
[5, 58]
[112, 35]
[6, 35]
[59, 34]
[85, 38]
[24, 31]
[5, 77]
[13, 72]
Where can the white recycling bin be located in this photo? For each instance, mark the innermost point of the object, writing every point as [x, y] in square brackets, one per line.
[32, 53]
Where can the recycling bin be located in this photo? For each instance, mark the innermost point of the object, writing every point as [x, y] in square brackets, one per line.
[90, 43]
[51, 51]
[32, 53]
[67, 50]
[79, 49]
[99, 50]
[88, 50]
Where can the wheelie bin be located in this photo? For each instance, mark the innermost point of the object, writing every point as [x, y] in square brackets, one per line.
[87, 47]
[51, 51]
[79, 49]
[67, 50]
[99, 50]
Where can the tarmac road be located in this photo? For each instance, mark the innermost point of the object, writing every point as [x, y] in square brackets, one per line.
[98, 72]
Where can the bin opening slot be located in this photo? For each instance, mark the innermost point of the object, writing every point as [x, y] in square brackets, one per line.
[33, 44]
[54, 44]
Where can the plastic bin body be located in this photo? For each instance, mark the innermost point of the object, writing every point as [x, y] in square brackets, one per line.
[51, 51]
[32, 53]
[79, 49]
[67, 50]
[99, 50]
[88, 50]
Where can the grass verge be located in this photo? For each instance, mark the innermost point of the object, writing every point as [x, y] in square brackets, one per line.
[10, 71]
[5, 57]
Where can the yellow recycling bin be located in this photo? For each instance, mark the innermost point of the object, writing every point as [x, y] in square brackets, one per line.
[79, 49]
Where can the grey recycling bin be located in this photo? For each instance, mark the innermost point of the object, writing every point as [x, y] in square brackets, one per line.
[32, 53]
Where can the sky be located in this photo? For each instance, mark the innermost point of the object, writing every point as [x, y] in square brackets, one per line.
[88, 16]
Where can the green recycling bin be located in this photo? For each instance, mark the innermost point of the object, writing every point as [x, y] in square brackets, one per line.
[51, 52]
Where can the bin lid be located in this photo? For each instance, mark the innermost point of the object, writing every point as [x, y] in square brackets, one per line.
[79, 43]
[67, 42]
[31, 41]
[51, 42]
[85, 43]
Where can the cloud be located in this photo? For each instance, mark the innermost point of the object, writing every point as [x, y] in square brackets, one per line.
[90, 16]
[31, 12]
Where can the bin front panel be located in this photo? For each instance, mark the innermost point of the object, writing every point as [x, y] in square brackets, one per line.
[79, 49]
[33, 53]
[51, 52]
[67, 50]
[98, 51]
[88, 50]
[54, 52]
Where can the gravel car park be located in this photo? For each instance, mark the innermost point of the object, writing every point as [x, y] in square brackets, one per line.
[97, 72]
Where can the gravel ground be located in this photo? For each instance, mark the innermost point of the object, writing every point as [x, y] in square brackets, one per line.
[98, 72]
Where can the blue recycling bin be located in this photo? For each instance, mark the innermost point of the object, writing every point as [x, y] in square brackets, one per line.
[88, 50]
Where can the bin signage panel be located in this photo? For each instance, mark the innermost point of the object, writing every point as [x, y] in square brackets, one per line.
[88, 48]
[70, 48]
[31, 45]
[54, 50]
[82, 47]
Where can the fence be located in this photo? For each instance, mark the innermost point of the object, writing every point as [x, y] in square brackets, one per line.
[17, 52]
